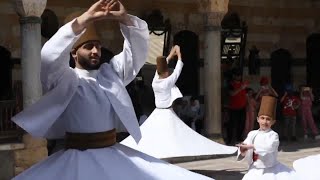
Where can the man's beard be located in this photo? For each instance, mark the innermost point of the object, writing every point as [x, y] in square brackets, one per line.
[85, 63]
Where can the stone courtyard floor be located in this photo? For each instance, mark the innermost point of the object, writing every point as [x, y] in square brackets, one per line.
[227, 168]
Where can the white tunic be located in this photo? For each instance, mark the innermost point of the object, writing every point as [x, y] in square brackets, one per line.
[164, 134]
[46, 117]
[97, 101]
[97, 114]
[266, 167]
[165, 90]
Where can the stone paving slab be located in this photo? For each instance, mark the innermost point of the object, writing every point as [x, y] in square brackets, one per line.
[227, 168]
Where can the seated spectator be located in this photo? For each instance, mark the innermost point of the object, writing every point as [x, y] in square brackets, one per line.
[194, 111]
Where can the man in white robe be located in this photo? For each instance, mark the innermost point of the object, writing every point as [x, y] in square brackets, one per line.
[85, 103]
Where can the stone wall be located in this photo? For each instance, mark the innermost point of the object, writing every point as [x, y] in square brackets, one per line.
[182, 15]
[34, 151]
[17, 157]
[278, 23]
[7, 165]
[272, 23]
[10, 28]
[298, 75]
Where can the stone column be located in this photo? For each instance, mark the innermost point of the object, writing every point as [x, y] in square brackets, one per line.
[212, 68]
[213, 11]
[29, 12]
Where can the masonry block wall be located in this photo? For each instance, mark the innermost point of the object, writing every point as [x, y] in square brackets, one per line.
[278, 23]
[272, 23]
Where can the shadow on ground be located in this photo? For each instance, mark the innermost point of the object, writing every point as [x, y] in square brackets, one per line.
[183, 159]
[296, 146]
[227, 174]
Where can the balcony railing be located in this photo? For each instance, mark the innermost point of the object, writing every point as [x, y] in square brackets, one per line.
[9, 131]
[7, 110]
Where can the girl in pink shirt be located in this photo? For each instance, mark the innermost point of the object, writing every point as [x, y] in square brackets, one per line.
[306, 113]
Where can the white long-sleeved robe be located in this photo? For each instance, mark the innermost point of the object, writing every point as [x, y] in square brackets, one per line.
[90, 101]
[164, 134]
[45, 118]
[165, 90]
[266, 167]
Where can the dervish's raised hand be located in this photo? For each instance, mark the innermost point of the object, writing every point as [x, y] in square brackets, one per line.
[177, 51]
[102, 9]
[172, 53]
[106, 9]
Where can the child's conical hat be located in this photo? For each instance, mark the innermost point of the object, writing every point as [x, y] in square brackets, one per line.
[268, 106]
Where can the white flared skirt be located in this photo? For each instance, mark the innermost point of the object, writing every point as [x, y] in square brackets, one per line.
[165, 135]
[277, 172]
[117, 162]
[308, 168]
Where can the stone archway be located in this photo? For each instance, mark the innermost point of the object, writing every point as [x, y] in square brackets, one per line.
[188, 81]
[5, 74]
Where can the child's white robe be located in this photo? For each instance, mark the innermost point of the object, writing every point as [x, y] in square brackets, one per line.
[266, 167]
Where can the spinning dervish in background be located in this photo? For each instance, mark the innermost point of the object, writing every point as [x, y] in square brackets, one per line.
[164, 134]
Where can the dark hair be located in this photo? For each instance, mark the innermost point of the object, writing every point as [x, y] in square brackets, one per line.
[289, 87]
[193, 98]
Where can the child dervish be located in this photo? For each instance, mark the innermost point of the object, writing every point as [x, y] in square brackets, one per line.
[260, 148]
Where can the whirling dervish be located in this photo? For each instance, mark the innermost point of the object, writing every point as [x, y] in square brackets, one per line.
[84, 104]
[164, 134]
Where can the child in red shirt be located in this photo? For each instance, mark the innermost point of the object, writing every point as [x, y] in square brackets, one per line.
[290, 103]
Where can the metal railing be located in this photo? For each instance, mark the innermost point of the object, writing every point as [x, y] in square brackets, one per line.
[7, 110]
[9, 131]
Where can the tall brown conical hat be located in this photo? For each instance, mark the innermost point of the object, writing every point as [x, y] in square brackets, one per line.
[268, 106]
[162, 65]
[89, 35]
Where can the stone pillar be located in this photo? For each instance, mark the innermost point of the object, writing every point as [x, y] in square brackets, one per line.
[30, 12]
[214, 11]
[30, 31]
[212, 68]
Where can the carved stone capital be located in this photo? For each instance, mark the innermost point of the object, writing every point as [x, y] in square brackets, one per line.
[213, 20]
[26, 8]
[206, 6]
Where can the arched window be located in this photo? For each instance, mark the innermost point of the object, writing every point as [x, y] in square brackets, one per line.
[160, 30]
